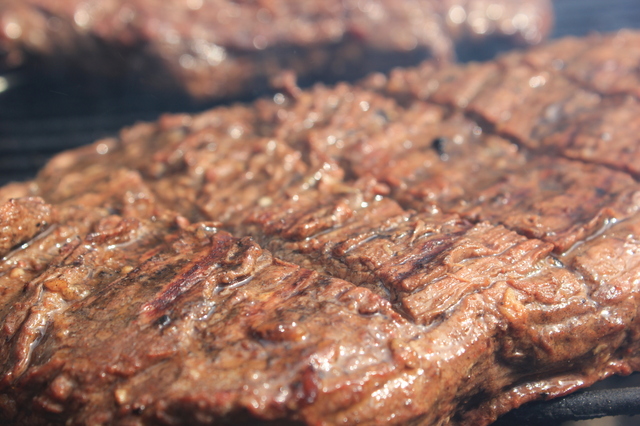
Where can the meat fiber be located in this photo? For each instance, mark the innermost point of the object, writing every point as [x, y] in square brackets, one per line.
[432, 248]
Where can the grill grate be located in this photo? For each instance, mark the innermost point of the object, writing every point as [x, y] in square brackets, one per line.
[616, 396]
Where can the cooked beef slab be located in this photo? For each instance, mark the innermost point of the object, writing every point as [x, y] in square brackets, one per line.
[227, 48]
[432, 248]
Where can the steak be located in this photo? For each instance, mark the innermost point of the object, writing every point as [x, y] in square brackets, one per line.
[435, 247]
[225, 48]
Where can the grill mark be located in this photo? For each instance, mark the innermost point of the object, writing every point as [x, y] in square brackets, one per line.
[191, 275]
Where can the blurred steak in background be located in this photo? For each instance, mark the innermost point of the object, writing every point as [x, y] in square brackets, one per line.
[225, 49]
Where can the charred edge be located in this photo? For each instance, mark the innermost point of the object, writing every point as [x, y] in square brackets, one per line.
[183, 283]
[430, 251]
[472, 403]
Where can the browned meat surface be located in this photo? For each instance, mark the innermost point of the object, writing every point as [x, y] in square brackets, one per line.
[226, 48]
[20, 220]
[409, 251]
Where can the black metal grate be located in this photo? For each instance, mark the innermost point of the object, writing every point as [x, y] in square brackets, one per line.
[40, 117]
[616, 396]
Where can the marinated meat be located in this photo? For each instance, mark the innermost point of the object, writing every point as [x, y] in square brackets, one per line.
[225, 48]
[22, 219]
[409, 251]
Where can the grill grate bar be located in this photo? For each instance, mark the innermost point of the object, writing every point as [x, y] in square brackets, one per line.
[585, 405]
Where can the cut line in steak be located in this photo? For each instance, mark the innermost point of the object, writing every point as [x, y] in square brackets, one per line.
[409, 250]
[214, 49]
